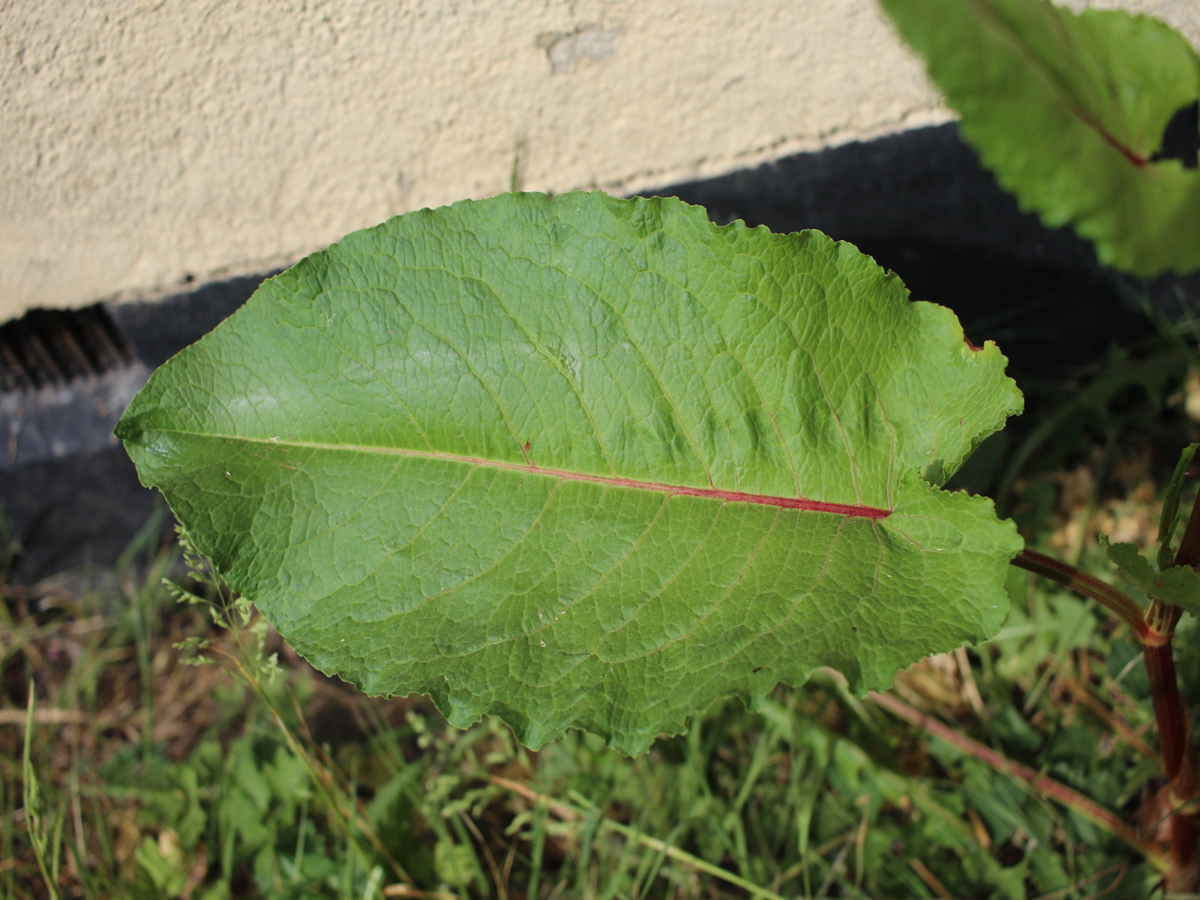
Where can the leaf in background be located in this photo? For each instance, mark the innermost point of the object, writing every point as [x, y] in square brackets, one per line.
[1130, 563]
[587, 462]
[1069, 111]
[1169, 519]
[1179, 584]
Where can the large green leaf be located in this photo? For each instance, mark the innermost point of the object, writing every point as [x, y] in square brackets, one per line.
[1068, 111]
[587, 462]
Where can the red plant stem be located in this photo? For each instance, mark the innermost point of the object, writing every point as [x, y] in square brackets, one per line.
[1093, 587]
[1188, 553]
[1168, 705]
[1089, 809]
[1164, 690]
[1174, 726]
[1154, 629]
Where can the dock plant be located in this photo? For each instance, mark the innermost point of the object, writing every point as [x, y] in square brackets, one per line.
[589, 462]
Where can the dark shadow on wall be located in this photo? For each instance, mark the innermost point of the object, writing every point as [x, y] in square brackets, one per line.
[918, 202]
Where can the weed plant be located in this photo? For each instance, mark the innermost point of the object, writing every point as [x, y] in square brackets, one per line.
[181, 750]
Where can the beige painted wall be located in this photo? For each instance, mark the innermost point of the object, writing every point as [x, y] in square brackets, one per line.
[145, 142]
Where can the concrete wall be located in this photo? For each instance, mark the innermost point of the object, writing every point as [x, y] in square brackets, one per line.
[147, 144]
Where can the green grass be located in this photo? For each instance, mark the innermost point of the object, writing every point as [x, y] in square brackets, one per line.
[179, 749]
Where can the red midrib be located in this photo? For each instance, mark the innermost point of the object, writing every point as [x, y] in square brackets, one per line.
[802, 503]
[841, 509]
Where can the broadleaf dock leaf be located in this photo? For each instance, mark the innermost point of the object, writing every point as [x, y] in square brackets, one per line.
[1070, 111]
[587, 462]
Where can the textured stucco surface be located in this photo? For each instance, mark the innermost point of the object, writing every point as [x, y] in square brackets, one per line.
[146, 143]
